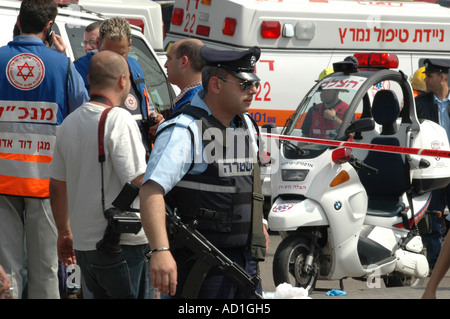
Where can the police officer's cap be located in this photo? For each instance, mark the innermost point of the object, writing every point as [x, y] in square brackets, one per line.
[436, 65]
[241, 64]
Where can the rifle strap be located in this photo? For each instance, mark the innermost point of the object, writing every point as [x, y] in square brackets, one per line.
[258, 240]
[195, 279]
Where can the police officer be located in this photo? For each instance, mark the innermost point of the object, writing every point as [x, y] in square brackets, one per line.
[210, 177]
[40, 87]
[115, 35]
[433, 105]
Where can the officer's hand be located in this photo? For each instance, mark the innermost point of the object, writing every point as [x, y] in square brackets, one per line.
[163, 272]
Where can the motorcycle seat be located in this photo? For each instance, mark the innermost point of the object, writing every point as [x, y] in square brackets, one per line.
[385, 189]
[385, 207]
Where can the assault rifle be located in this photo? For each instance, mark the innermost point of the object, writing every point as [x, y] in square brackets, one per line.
[208, 256]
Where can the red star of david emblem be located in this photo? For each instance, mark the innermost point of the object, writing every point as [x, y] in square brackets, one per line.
[130, 101]
[30, 71]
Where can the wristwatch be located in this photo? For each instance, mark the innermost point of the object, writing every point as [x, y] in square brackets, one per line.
[333, 118]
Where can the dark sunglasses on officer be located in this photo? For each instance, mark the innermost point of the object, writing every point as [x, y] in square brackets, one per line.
[245, 85]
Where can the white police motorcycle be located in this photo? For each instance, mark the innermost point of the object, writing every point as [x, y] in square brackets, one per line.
[353, 211]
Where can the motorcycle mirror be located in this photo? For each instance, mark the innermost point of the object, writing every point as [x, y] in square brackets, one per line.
[361, 125]
[270, 128]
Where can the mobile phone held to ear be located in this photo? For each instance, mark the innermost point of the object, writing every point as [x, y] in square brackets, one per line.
[49, 35]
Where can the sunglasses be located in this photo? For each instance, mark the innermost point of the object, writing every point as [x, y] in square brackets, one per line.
[245, 86]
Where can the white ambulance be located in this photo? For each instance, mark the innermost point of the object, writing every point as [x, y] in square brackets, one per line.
[300, 38]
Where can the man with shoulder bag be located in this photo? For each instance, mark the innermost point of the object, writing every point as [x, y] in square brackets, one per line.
[99, 150]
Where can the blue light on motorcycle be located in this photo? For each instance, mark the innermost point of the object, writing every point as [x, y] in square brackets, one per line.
[294, 175]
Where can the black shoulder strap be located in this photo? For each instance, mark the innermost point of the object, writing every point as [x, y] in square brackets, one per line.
[259, 141]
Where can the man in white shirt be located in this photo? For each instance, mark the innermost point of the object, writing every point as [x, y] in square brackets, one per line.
[82, 188]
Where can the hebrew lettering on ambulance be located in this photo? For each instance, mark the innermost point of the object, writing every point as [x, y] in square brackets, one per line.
[390, 35]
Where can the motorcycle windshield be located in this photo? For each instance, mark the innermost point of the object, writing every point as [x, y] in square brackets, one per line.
[321, 114]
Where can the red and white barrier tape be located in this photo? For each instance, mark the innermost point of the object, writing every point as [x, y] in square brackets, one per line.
[364, 146]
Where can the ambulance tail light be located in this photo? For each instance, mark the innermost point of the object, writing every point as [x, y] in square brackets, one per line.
[177, 16]
[137, 22]
[229, 26]
[378, 60]
[203, 30]
[270, 29]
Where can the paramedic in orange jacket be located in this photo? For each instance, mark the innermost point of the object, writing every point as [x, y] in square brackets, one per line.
[39, 88]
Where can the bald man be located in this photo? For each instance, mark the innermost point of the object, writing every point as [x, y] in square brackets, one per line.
[82, 189]
[184, 69]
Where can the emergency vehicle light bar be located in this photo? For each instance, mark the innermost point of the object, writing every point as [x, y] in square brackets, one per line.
[383, 60]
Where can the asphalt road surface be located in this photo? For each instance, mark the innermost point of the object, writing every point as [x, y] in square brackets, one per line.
[355, 289]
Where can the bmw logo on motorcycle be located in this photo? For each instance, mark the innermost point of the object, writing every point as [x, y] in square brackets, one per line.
[337, 205]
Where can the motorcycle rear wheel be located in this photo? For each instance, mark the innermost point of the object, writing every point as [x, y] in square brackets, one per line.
[289, 261]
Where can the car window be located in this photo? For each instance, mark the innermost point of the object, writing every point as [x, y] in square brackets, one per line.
[75, 35]
[155, 79]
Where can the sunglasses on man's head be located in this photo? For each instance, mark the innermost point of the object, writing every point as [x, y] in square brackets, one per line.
[245, 85]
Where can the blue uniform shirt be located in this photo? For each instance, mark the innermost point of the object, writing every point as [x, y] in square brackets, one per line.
[444, 118]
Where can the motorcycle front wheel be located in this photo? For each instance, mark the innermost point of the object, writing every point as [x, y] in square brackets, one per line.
[289, 263]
